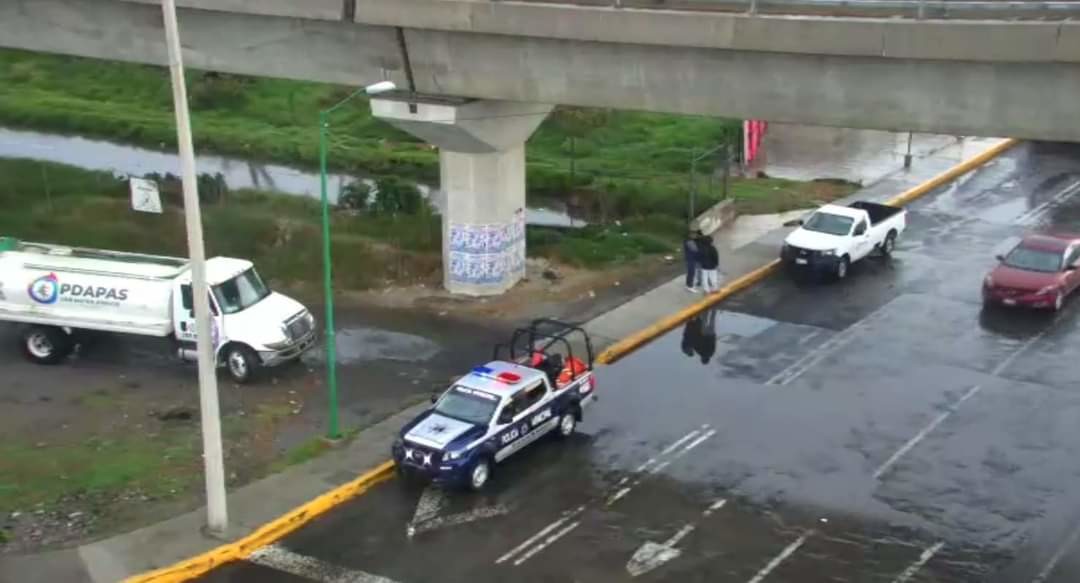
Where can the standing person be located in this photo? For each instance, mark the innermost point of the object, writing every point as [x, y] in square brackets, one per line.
[709, 263]
[691, 252]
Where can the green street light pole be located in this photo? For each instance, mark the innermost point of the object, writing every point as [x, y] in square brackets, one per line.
[334, 429]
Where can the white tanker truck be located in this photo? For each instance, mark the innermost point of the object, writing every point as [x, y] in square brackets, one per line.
[54, 291]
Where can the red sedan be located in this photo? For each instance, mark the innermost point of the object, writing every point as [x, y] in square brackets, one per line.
[1038, 273]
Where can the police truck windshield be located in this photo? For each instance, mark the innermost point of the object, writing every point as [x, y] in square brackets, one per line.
[241, 292]
[468, 405]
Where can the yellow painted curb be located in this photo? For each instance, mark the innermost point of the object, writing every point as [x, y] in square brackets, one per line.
[635, 341]
[644, 336]
[283, 525]
[269, 532]
[952, 173]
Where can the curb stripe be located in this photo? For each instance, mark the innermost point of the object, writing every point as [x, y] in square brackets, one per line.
[270, 532]
[637, 340]
[278, 528]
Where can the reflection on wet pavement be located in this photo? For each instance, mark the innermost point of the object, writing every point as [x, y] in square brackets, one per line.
[800, 152]
[882, 429]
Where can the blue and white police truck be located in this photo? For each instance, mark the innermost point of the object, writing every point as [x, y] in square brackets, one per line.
[500, 408]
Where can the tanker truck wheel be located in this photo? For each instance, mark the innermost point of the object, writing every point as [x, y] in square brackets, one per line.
[242, 363]
[45, 344]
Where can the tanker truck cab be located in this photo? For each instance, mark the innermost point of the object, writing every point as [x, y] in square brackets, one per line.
[251, 325]
[54, 292]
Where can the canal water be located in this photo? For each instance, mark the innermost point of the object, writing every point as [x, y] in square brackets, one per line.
[791, 151]
[239, 173]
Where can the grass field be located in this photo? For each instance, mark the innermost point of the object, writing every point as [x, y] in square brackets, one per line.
[274, 119]
[627, 171]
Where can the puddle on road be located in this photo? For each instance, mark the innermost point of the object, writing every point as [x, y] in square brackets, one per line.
[356, 345]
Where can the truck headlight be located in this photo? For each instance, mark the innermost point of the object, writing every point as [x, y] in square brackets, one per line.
[453, 455]
[310, 320]
[1047, 290]
[828, 251]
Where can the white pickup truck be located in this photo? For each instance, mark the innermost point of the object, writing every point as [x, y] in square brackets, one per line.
[54, 292]
[833, 237]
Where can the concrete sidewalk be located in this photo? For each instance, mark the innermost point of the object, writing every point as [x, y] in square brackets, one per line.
[745, 246]
[753, 241]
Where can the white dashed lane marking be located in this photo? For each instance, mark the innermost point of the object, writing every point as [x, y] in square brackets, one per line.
[1052, 564]
[922, 434]
[778, 559]
[281, 559]
[918, 564]
[554, 531]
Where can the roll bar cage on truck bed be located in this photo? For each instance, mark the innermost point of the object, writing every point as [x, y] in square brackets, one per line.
[541, 340]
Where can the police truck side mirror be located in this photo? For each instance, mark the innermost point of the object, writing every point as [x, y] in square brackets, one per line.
[506, 416]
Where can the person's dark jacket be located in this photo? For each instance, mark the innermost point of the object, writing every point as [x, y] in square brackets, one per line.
[708, 258]
[691, 249]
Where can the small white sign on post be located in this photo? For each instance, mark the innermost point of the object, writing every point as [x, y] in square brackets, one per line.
[145, 196]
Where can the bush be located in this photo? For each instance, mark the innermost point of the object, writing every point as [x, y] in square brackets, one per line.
[394, 196]
[212, 187]
[355, 196]
[219, 91]
[597, 246]
[550, 182]
[537, 238]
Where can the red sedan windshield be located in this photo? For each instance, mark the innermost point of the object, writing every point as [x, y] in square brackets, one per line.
[1030, 259]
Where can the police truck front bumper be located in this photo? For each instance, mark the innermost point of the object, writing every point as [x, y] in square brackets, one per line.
[430, 464]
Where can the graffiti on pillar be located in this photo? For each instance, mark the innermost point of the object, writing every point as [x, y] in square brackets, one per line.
[487, 254]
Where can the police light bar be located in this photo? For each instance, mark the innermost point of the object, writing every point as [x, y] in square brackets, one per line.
[482, 370]
[509, 377]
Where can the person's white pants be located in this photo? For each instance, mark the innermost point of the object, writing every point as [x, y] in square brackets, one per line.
[710, 280]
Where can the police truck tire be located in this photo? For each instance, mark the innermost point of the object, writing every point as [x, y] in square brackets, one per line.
[45, 344]
[567, 424]
[242, 363]
[479, 474]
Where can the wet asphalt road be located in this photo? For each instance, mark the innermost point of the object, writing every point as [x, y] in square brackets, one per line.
[881, 429]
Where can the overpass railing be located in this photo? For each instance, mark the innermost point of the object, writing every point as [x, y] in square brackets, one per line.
[919, 9]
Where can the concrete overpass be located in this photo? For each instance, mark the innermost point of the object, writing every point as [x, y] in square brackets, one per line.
[1003, 78]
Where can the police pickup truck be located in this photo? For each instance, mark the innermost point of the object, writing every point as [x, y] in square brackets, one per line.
[499, 409]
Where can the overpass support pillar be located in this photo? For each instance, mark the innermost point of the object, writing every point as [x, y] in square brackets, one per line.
[482, 173]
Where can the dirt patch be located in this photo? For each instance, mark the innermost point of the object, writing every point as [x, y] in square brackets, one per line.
[548, 290]
[110, 441]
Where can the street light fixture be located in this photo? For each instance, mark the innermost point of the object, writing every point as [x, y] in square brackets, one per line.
[334, 430]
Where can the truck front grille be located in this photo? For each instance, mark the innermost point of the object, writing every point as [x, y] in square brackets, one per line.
[298, 327]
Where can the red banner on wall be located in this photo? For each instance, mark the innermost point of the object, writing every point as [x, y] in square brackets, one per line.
[753, 133]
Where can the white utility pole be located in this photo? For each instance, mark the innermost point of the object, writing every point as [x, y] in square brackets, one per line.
[217, 517]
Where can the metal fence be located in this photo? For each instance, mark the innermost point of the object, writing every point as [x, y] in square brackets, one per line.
[929, 9]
